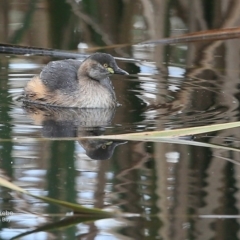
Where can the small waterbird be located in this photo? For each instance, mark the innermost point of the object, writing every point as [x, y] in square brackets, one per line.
[71, 83]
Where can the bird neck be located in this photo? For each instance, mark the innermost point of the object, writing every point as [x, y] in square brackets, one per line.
[108, 84]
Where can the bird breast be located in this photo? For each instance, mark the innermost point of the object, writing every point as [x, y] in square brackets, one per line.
[94, 95]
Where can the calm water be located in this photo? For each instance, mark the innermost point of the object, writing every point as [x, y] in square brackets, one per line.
[176, 191]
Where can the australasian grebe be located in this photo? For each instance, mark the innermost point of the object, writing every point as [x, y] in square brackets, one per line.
[70, 83]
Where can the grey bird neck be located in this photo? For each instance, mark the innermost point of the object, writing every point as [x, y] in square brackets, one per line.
[108, 84]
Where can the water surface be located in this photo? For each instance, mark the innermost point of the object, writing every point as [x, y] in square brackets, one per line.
[177, 191]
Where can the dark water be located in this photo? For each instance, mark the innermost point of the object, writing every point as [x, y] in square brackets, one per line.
[177, 191]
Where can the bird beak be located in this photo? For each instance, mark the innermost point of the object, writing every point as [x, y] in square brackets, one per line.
[120, 71]
[110, 70]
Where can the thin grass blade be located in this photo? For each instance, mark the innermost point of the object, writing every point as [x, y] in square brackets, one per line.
[75, 207]
[175, 133]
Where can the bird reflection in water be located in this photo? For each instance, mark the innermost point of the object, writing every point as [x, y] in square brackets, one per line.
[68, 123]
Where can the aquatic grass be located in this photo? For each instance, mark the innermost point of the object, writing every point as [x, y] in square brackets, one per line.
[208, 35]
[58, 225]
[80, 214]
[152, 136]
[174, 133]
[83, 214]
[166, 136]
[93, 212]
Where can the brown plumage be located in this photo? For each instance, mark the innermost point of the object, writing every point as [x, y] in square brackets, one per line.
[70, 83]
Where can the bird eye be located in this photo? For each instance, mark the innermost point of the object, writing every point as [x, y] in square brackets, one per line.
[105, 65]
[104, 146]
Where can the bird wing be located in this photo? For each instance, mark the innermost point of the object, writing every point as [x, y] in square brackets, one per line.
[61, 75]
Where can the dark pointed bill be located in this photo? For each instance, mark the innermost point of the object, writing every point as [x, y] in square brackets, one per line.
[120, 71]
